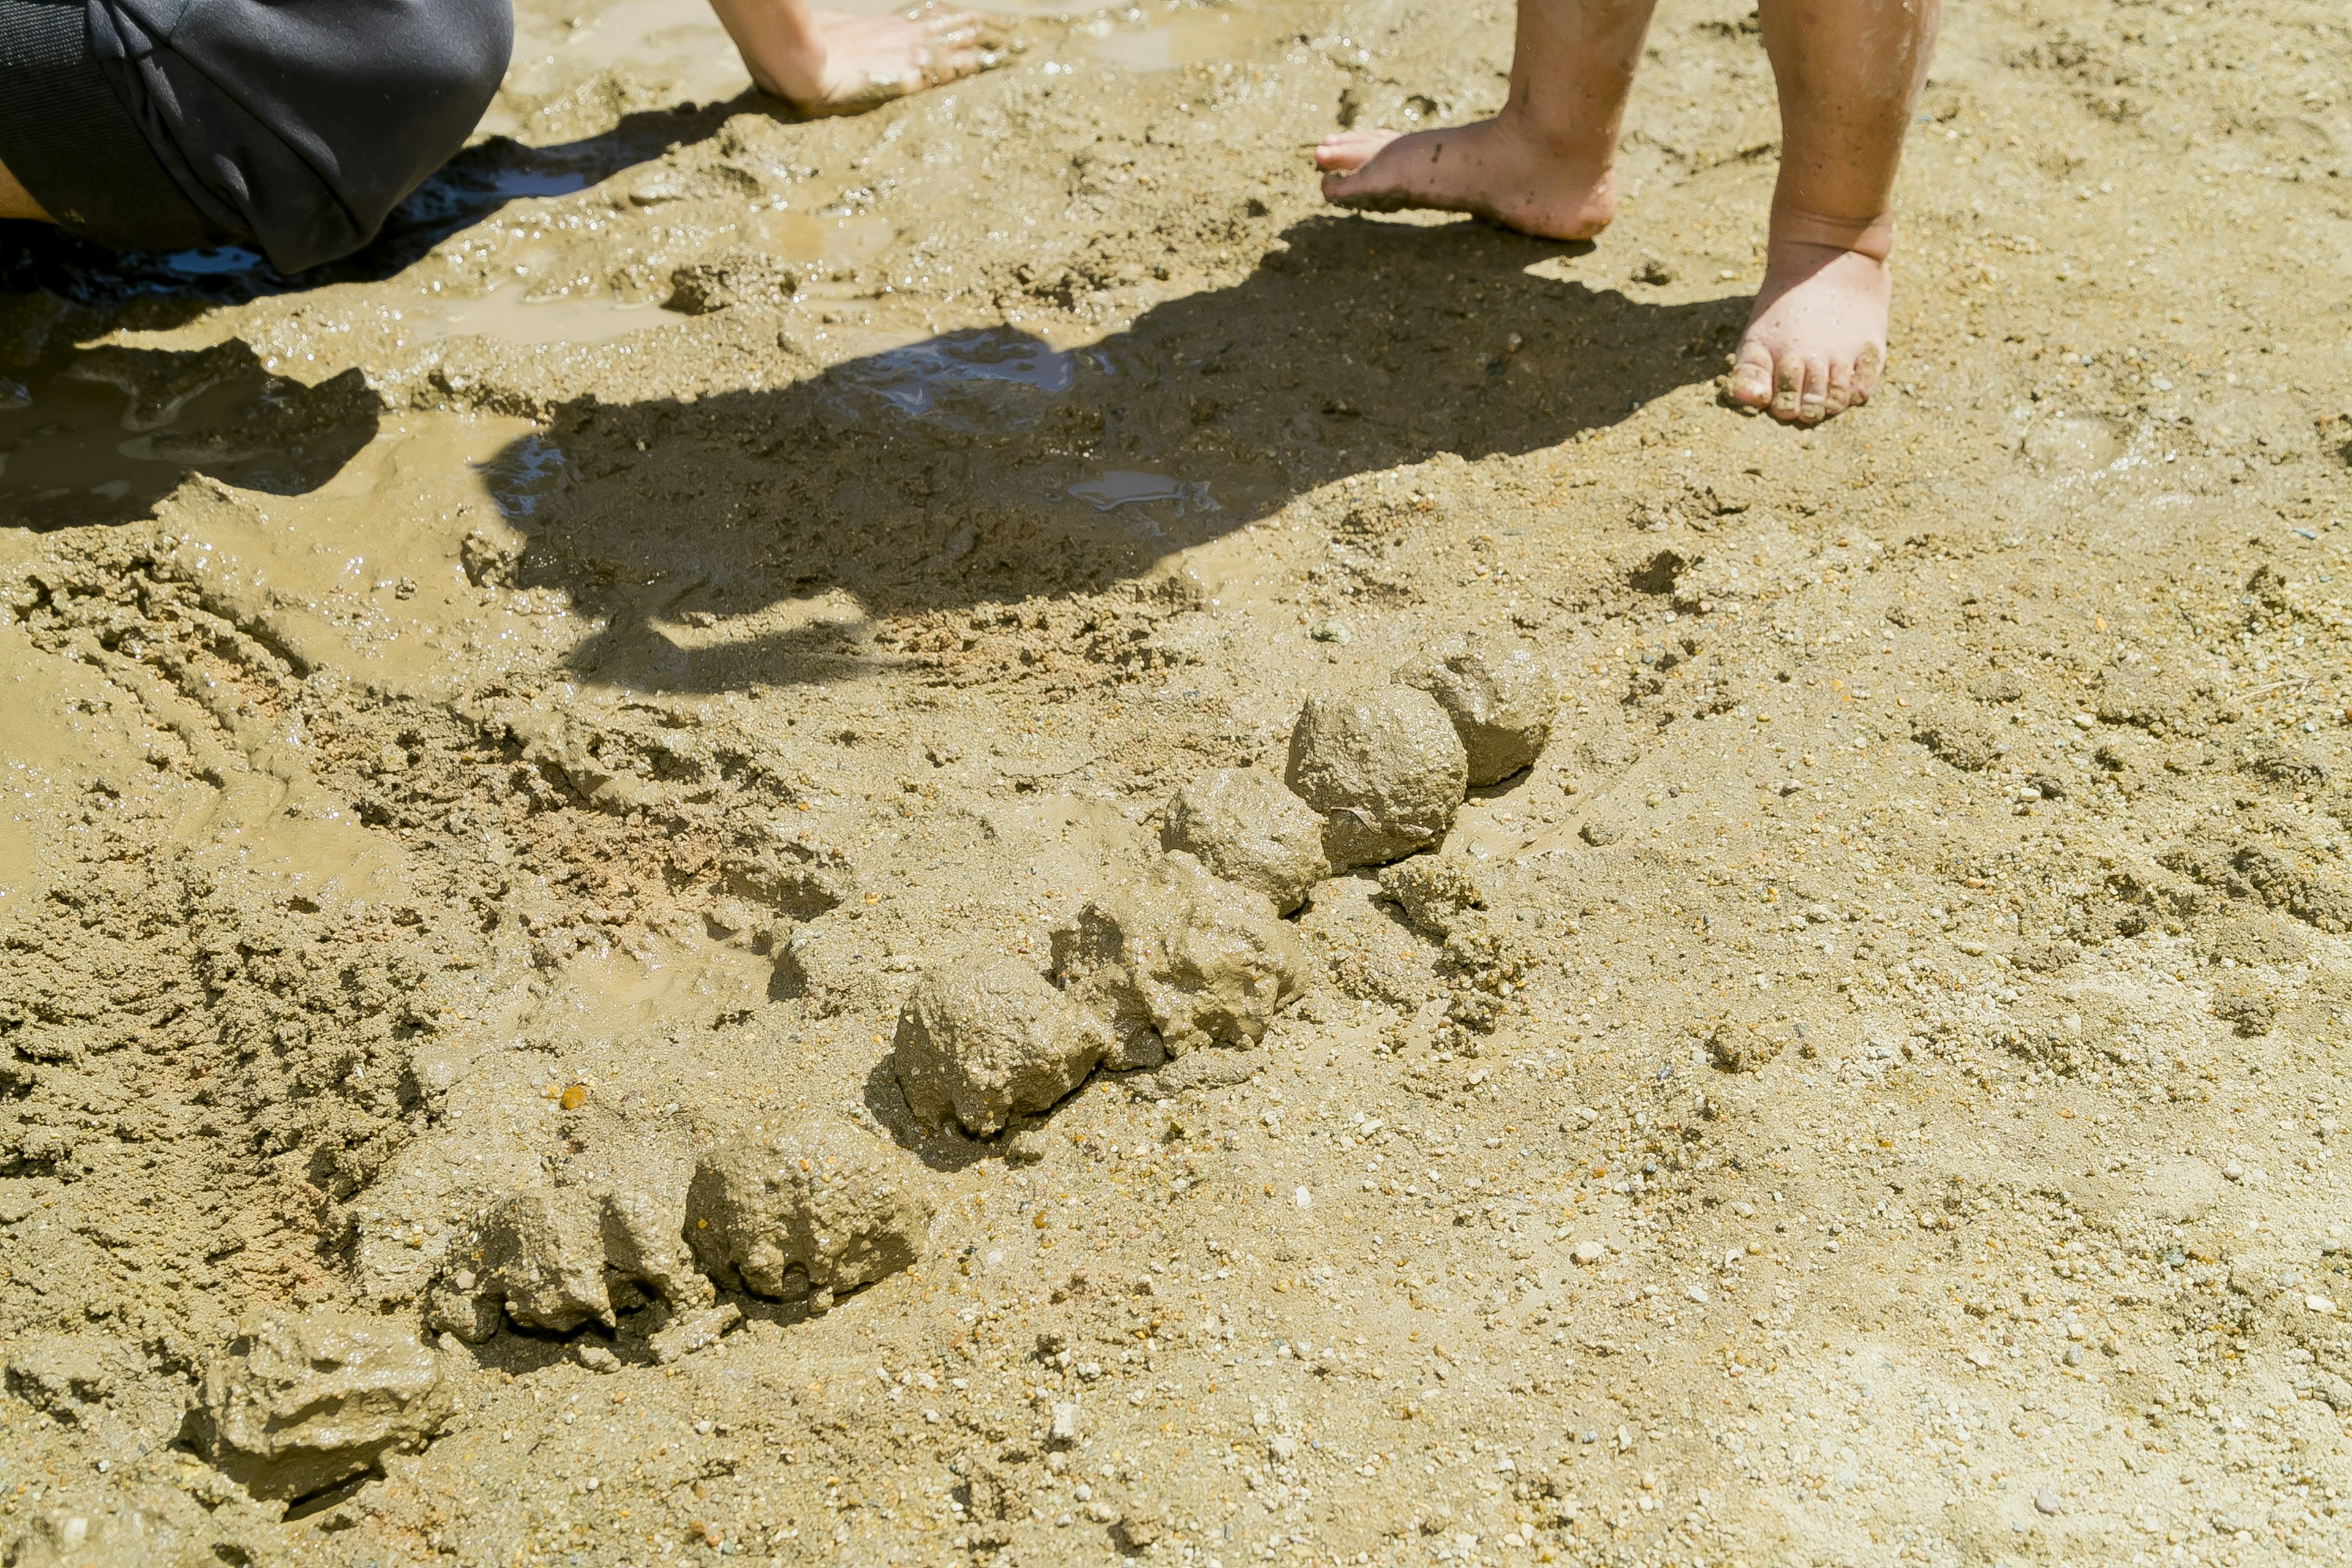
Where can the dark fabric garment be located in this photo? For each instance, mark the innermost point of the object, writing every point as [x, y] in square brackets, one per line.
[69, 141]
[298, 125]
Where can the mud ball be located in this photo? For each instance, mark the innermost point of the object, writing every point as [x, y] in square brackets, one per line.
[1385, 768]
[305, 1400]
[816, 1201]
[1174, 959]
[1242, 825]
[983, 1038]
[1501, 704]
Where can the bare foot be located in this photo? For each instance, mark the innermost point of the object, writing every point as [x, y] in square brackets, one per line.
[869, 60]
[1817, 338]
[1490, 170]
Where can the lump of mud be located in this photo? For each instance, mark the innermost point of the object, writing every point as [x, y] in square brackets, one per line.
[542, 1252]
[1244, 826]
[1998, 687]
[1734, 1047]
[2251, 1010]
[1177, 958]
[1434, 891]
[2280, 765]
[820, 1199]
[983, 1038]
[2156, 704]
[1956, 740]
[299, 1404]
[552, 1258]
[1501, 704]
[1385, 767]
[738, 278]
[65, 1377]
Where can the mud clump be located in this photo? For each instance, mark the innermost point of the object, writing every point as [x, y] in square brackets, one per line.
[1958, 741]
[739, 277]
[299, 1404]
[1177, 959]
[1482, 961]
[1502, 707]
[1433, 892]
[556, 1258]
[1740, 1047]
[1385, 768]
[982, 1039]
[822, 1200]
[1245, 827]
[65, 1377]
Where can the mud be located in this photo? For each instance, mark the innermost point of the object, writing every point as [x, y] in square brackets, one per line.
[493, 734]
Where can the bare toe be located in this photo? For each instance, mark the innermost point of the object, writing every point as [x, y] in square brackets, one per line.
[1841, 393]
[1751, 377]
[1348, 150]
[1812, 401]
[1788, 386]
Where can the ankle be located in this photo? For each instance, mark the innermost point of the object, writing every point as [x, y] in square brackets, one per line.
[1592, 150]
[1873, 238]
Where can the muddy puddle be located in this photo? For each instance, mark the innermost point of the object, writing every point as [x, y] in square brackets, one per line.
[96, 435]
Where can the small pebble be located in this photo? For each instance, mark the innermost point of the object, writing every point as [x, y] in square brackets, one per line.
[2046, 1501]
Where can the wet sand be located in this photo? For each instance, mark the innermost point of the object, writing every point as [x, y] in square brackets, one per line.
[507, 713]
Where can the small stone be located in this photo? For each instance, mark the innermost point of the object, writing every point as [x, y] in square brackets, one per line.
[1502, 704]
[595, 1357]
[1385, 767]
[2046, 1501]
[1589, 1253]
[1654, 271]
[983, 1038]
[1330, 631]
[1175, 959]
[819, 1199]
[1064, 1432]
[300, 1403]
[1245, 827]
[2074, 1356]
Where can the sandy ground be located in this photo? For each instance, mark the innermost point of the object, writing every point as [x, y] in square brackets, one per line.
[700, 571]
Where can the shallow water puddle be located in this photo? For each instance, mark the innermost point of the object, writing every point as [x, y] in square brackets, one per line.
[511, 313]
[1133, 487]
[980, 379]
[665, 978]
[99, 435]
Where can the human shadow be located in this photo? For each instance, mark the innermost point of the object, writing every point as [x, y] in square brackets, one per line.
[987, 467]
[98, 435]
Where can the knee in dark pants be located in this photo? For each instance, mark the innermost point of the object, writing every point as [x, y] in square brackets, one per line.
[293, 125]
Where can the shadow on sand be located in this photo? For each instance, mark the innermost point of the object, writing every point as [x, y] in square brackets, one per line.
[987, 467]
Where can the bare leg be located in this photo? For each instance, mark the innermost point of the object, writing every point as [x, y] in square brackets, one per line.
[1849, 72]
[834, 62]
[1544, 166]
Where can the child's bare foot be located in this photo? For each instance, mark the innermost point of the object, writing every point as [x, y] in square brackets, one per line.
[864, 61]
[1490, 170]
[1817, 338]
